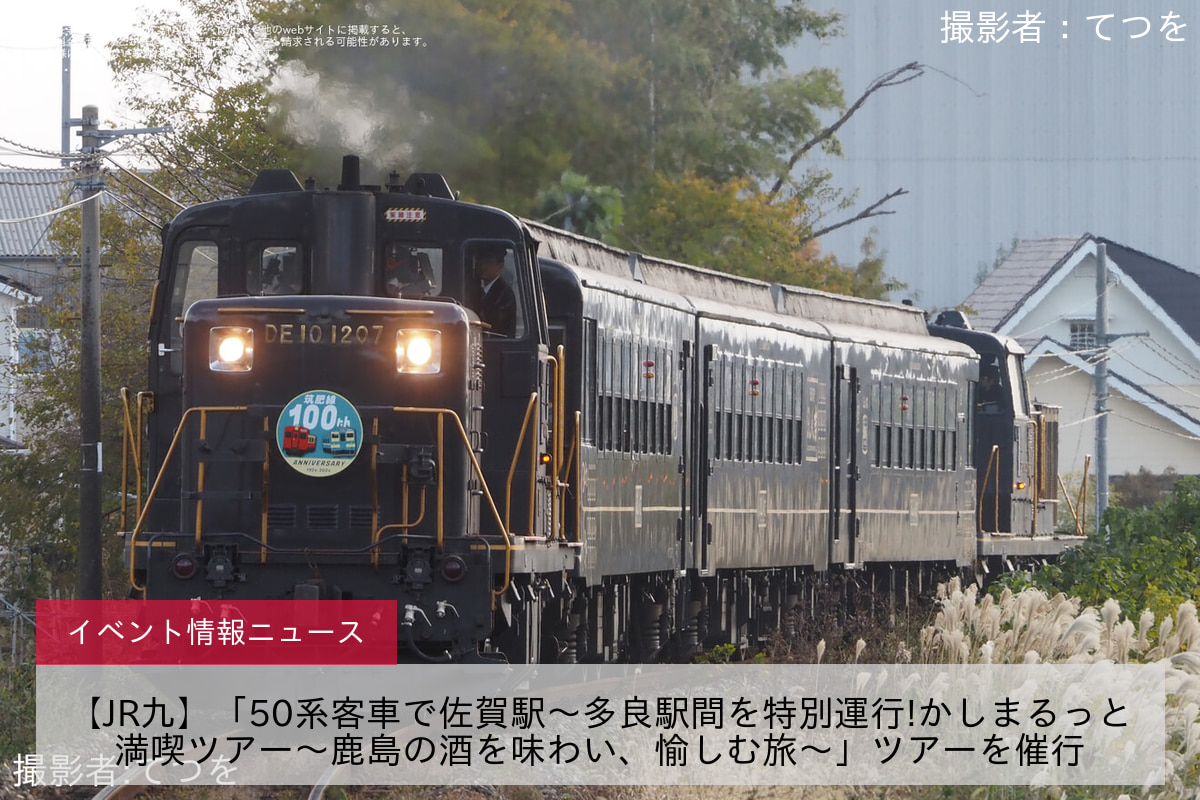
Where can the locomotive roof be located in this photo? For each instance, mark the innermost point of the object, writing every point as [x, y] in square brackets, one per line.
[726, 289]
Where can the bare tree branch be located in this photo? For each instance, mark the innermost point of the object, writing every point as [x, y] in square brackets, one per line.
[869, 211]
[895, 77]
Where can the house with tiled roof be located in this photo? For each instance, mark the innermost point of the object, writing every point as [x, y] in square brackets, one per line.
[26, 256]
[29, 270]
[1044, 294]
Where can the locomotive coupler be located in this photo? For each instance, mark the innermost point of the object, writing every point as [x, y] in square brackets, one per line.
[418, 572]
[219, 567]
[421, 466]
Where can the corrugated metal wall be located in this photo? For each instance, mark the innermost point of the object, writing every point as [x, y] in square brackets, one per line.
[1060, 137]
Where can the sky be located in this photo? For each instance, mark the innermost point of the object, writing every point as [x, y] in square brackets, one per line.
[31, 63]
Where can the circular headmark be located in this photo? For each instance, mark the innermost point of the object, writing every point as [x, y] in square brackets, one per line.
[319, 433]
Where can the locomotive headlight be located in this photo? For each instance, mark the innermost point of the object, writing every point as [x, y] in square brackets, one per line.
[230, 349]
[419, 351]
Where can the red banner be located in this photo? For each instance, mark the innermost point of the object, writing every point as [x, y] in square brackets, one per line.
[216, 632]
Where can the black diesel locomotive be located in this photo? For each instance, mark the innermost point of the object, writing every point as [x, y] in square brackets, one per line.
[592, 454]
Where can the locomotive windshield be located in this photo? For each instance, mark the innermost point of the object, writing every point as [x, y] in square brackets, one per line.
[274, 269]
[1002, 385]
[493, 290]
[195, 279]
[992, 396]
[1016, 375]
[489, 280]
[411, 271]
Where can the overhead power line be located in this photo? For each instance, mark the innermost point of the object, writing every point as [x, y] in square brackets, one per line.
[50, 213]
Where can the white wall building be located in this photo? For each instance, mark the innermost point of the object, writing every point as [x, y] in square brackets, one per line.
[1044, 294]
[12, 298]
[29, 270]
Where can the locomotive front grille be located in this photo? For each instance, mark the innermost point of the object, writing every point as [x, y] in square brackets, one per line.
[323, 517]
[360, 517]
[281, 516]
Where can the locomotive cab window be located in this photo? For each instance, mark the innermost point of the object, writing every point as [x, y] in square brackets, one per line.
[411, 271]
[494, 289]
[195, 279]
[1016, 377]
[274, 269]
[992, 395]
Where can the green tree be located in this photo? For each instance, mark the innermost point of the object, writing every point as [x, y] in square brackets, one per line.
[574, 204]
[743, 233]
[640, 96]
[509, 95]
[1143, 558]
[501, 97]
[1142, 489]
[704, 89]
[203, 70]
[733, 226]
[870, 280]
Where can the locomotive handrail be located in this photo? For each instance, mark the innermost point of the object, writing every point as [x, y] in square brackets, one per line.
[441, 414]
[200, 470]
[404, 514]
[264, 519]
[126, 435]
[996, 521]
[1070, 505]
[130, 449]
[1087, 464]
[1038, 455]
[512, 469]
[560, 397]
[555, 455]
[322, 550]
[462, 432]
[992, 458]
[137, 528]
[571, 458]
[375, 529]
[578, 446]
[126, 443]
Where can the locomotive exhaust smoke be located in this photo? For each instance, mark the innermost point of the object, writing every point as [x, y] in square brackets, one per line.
[337, 117]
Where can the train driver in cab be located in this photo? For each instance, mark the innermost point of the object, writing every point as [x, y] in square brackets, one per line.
[494, 300]
[406, 272]
[991, 394]
[280, 273]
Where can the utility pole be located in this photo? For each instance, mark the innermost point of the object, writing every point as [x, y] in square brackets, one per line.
[68, 121]
[91, 183]
[66, 93]
[91, 465]
[1102, 344]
